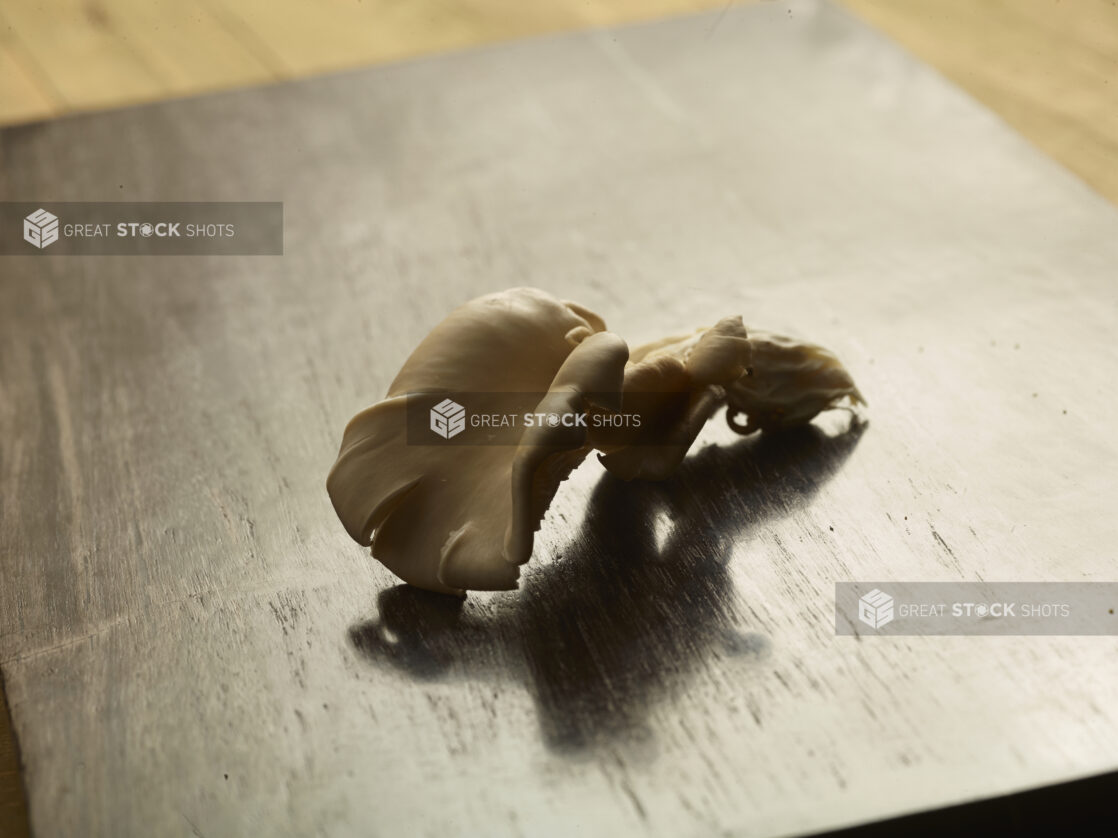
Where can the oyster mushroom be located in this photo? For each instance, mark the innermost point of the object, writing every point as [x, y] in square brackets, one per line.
[452, 518]
[455, 517]
[775, 381]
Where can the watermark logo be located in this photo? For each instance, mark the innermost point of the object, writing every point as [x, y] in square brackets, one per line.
[505, 418]
[141, 228]
[875, 609]
[923, 609]
[448, 419]
[40, 228]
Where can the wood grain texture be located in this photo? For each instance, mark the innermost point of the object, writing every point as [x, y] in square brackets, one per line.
[1050, 69]
[22, 99]
[88, 54]
[88, 64]
[191, 644]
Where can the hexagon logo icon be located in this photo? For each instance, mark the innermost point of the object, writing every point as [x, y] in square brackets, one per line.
[448, 419]
[875, 609]
[40, 228]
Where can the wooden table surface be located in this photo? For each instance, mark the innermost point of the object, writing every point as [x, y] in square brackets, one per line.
[190, 643]
[1049, 68]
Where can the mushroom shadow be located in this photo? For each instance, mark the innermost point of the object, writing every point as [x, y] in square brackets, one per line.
[639, 600]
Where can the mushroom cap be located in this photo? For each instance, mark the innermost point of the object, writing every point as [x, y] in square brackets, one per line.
[455, 517]
[793, 381]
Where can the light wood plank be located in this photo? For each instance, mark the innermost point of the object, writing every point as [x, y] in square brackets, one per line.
[115, 52]
[1046, 67]
[88, 63]
[189, 48]
[339, 34]
[21, 98]
[1049, 69]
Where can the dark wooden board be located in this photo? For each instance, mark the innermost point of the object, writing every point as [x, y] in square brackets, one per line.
[191, 644]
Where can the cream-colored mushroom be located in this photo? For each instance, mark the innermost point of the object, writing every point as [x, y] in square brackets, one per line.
[775, 381]
[451, 518]
[456, 517]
